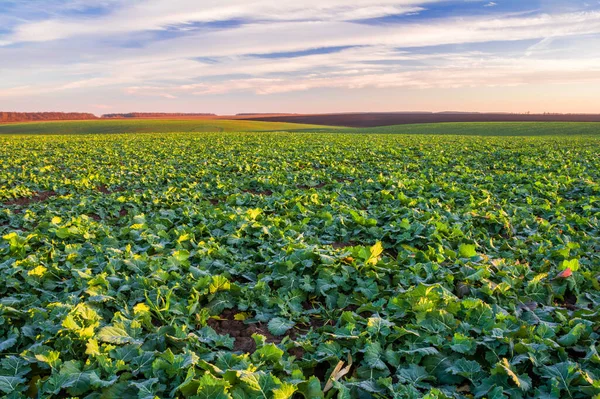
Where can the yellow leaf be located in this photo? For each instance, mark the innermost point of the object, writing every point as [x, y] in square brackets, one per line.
[92, 347]
[510, 373]
[141, 308]
[253, 213]
[241, 316]
[38, 271]
[375, 252]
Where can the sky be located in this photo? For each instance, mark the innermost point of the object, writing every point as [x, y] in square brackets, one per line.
[310, 56]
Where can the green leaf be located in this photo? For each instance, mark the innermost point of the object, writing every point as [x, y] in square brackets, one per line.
[52, 358]
[572, 336]
[145, 388]
[373, 356]
[463, 344]
[467, 250]
[211, 387]
[521, 381]
[77, 381]
[414, 375]
[572, 264]
[8, 342]
[116, 335]
[63, 233]
[285, 391]
[562, 373]
[11, 384]
[379, 326]
[219, 283]
[268, 353]
[181, 255]
[14, 366]
[279, 326]
[260, 382]
[465, 368]
[311, 389]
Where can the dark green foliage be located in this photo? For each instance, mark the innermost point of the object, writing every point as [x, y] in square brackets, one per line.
[262, 265]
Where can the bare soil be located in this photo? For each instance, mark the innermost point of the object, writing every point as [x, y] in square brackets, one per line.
[341, 245]
[37, 197]
[105, 190]
[306, 187]
[240, 331]
[398, 118]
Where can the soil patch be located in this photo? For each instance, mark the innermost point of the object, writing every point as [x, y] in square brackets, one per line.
[306, 187]
[37, 197]
[569, 301]
[391, 252]
[320, 371]
[242, 333]
[297, 352]
[214, 201]
[105, 190]
[341, 245]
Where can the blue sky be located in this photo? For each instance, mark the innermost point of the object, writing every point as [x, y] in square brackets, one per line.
[287, 56]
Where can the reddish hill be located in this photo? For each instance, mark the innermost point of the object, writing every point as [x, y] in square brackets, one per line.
[158, 115]
[44, 116]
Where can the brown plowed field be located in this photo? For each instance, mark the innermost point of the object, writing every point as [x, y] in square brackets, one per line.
[387, 119]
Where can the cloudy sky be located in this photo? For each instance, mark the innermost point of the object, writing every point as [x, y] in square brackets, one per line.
[230, 56]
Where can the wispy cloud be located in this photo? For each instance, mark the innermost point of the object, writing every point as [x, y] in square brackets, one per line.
[460, 70]
[160, 14]
[188, 49]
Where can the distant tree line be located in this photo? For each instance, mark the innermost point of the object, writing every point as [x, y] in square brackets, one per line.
[154, 115]
[44, 116]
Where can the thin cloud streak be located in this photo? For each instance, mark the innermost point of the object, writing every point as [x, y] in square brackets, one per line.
[160, 14]
[119, 52]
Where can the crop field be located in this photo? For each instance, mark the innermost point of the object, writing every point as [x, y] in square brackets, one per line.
[491, 129]
[299, 265]
[220, 125]
[152, 126]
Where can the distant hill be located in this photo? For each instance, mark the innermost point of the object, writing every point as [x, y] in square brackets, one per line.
[155, 115]
[44, 116]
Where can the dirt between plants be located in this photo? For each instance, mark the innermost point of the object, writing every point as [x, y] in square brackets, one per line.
[240, 331]
[37, 197]
[306, 187]
[105, 190]
[341, 245]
